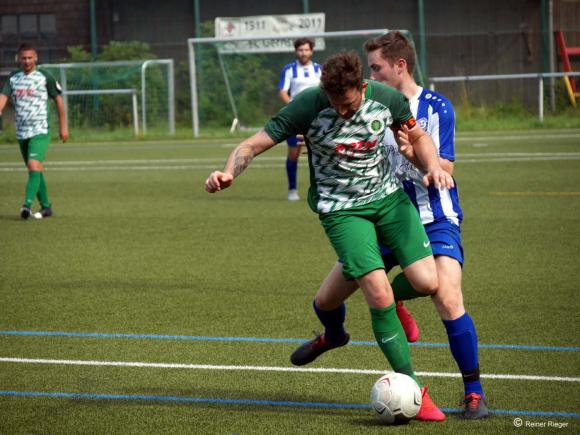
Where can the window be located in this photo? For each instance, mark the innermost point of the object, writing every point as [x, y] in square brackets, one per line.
[47, 25]
[34, 28]
[28, 27]
[9, 28]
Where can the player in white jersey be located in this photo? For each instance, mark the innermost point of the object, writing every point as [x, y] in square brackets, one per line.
[297, 76]
[30, 89]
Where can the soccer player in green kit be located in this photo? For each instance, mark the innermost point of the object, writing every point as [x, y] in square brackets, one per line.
[30, 89]
[353, 189]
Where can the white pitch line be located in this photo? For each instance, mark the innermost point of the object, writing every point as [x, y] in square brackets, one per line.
[270, 369]
[137, 161]
[459, 156]
[539, 136]
[116, 165]
[137, 168]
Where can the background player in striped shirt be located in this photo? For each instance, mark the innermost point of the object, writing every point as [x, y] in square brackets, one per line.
[297, 76]
[30, 89]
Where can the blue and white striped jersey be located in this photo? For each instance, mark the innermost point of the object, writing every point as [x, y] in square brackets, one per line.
[434, 114]
[297, 77]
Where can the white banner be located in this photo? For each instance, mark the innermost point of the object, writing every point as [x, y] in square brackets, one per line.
[289, 27]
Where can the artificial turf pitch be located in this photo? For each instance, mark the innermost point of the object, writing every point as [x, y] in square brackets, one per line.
[137, 248]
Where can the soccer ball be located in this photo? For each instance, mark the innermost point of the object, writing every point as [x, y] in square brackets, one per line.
[395, 398]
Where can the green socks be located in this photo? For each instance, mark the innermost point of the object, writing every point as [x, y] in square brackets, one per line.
[392, 340]
[403, 290]
[32, 187]
[42, 194]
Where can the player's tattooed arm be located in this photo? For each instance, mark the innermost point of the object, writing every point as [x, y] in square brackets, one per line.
[244, 153]
[242, 158]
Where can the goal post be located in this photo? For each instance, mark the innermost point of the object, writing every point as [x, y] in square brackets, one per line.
[149, 81]
[233, 80]
[131, 92]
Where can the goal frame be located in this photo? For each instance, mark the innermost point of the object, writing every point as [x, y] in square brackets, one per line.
[64, 67]
[191, 42]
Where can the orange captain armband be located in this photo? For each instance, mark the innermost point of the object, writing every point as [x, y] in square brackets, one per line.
[410, 123]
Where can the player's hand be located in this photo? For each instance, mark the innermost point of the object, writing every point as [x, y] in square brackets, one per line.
[405, 146]
[438, 178]
[63, 134]
[218, 181]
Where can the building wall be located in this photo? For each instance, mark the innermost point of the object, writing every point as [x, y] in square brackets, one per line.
[69, 26]
[462, 37]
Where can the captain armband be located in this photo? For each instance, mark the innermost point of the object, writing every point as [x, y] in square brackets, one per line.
[410, 123]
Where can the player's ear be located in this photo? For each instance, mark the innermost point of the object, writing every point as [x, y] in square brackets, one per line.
[401, 66]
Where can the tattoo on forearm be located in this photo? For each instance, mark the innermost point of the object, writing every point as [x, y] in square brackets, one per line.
[242, 159]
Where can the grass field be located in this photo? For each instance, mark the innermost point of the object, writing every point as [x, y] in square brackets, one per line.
[146, 305]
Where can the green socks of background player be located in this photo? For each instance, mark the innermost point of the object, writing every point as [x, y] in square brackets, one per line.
[36, 187]
[42, 194]
[392, 340]
[403, 290]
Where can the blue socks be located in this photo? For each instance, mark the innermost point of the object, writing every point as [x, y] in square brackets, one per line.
[291, 170]
[333, 322]
[463, 345]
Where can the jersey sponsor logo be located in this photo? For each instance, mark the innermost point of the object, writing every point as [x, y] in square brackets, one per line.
[447, 246]
[24, 92]
[426, 244]
[348, 149]
[423, 123]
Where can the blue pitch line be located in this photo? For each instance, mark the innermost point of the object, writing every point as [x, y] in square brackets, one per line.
[264, 340]
[214, 401]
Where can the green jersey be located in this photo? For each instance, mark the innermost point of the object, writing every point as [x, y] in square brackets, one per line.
[348, 165]
[29, 94]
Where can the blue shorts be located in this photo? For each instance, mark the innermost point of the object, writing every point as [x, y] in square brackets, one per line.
[292, 141]
[445, 239]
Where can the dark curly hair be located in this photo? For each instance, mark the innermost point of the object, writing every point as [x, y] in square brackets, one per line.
[393, 46]
[341, 72]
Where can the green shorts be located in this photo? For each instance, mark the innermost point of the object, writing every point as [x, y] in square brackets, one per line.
[393, 221]
[35, 147]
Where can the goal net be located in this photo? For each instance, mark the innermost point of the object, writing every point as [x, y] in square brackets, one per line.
[136, 95]
[234, 81]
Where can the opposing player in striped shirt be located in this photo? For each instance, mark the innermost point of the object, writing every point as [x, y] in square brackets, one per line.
[392, 61]
[297, 76]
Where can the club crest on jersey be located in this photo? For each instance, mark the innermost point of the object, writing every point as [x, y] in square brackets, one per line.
[376, 126]
[423, 123]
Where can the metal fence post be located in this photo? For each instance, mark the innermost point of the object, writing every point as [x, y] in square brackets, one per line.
[135, 113]
[541, 98]
[63, 88]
